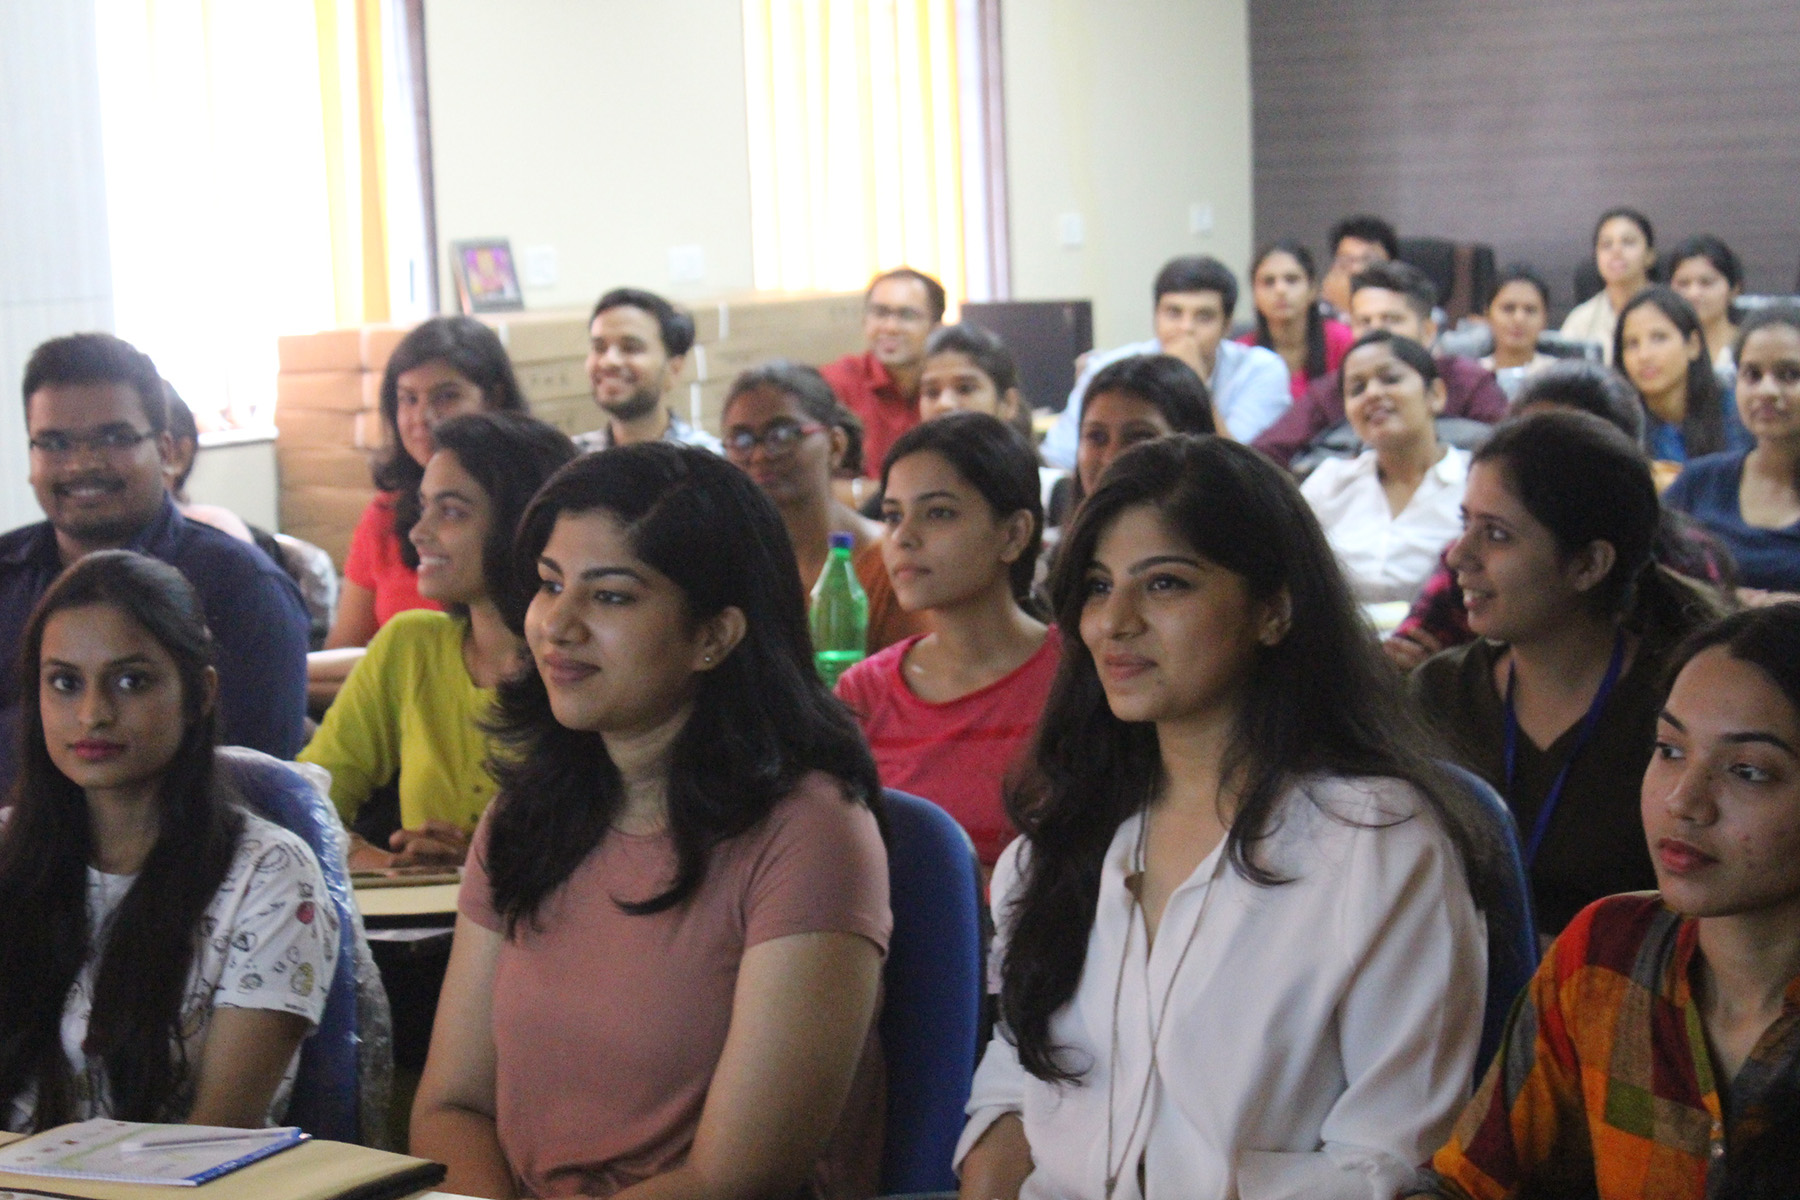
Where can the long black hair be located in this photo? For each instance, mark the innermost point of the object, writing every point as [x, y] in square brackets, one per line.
[1703, 424]
[1315, 320]
[1583, 480]
[510, 455]
[474, 351]
[1764, 1164]
[1321, 701]
[1784, 315]
[44, 854]
[996, 461]
[761, 719]
[1162, 381]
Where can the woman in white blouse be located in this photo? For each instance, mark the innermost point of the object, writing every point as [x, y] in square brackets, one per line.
[1624, 254]
[1238, 949]
[1390, 511]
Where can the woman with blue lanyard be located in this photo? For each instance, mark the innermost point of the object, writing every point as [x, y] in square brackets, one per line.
[1556, 702]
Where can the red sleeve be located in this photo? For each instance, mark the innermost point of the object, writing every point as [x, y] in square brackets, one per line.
[363, 559]
[842, 373]
[821, 869]
[1339, 337]
[857, 688]
[1438, 611]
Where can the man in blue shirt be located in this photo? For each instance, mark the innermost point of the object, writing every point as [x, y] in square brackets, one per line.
[98, 425]
[1194, 299]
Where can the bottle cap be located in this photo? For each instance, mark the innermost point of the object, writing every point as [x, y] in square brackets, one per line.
[842, 541]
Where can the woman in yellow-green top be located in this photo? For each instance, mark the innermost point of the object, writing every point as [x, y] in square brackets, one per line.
[414, 705]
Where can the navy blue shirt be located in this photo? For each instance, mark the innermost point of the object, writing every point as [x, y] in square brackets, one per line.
[255, 612]
[1707, 490]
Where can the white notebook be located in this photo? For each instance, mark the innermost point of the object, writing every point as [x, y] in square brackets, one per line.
[133, 1152]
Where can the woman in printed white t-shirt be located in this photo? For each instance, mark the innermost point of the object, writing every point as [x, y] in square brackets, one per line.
[1238, 952]
[164, 953]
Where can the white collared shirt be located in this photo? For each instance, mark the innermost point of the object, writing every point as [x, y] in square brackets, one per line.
[1384, 556]
[1321, 1034]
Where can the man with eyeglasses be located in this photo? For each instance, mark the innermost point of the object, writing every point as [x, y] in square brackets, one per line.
[881, 385]
[98, 428]
[1357, 243]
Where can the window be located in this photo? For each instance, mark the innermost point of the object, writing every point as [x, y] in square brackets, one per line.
[870, 142]
[261, 178]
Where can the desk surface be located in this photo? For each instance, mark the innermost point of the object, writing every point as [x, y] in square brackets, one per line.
[429, 900]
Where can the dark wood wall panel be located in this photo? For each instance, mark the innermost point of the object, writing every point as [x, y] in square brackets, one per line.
[1516, 122]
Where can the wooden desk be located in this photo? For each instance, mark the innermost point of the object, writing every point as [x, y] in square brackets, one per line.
[431, 903]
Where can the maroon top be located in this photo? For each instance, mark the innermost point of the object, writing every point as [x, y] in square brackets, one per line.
[1470, 392]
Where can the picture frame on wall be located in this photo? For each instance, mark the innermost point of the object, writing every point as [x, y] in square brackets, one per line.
[487, 276]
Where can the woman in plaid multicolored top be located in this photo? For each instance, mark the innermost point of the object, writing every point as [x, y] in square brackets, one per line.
[1657, 1052]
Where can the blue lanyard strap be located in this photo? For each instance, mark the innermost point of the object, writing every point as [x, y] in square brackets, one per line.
[1551, 798]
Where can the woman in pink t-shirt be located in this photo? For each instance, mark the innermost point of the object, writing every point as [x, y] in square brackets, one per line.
[666, 963]
[445, 367]
[1285, 284]
[947, 713]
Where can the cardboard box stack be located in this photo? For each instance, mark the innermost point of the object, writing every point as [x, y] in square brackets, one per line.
[327, 397]
[328, 391]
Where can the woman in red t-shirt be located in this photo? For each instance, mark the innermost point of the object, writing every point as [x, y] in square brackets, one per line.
[1285, 283]
[445, 367]
[948, 712]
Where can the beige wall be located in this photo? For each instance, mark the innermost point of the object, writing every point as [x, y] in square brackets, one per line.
[614, 129]
[1127, 112]
[610, 130]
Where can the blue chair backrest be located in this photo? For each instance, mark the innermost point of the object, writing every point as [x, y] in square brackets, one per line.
[325, 1097]
[1512, 934]
[931, 1012]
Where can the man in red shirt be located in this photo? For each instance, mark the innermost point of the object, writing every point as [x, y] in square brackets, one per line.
[881, 385]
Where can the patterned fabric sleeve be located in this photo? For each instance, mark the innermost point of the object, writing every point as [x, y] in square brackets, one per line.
[1525, 1130]
[281, 929]
[1437, 620]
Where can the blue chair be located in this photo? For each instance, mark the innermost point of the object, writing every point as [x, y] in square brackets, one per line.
[1512, 934]
[341, 1084]
[931, 1013]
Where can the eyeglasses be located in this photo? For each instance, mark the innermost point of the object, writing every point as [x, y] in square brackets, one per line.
[900, 316]
[777, 437]
[114, 439]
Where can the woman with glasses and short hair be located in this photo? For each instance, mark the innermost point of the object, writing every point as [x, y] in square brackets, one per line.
[786, 429]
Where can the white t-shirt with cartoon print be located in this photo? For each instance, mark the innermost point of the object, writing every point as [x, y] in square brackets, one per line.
[268, 939]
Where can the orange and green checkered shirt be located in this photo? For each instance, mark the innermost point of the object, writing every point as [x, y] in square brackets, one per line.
[1604, 1086]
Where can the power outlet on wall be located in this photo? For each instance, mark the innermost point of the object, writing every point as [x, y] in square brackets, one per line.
[1070, 230]
[1200, 217]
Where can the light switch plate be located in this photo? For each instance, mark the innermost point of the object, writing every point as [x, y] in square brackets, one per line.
[540, 266]
[687, 264]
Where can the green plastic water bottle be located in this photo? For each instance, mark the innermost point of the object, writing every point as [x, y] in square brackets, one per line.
[840, 614]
